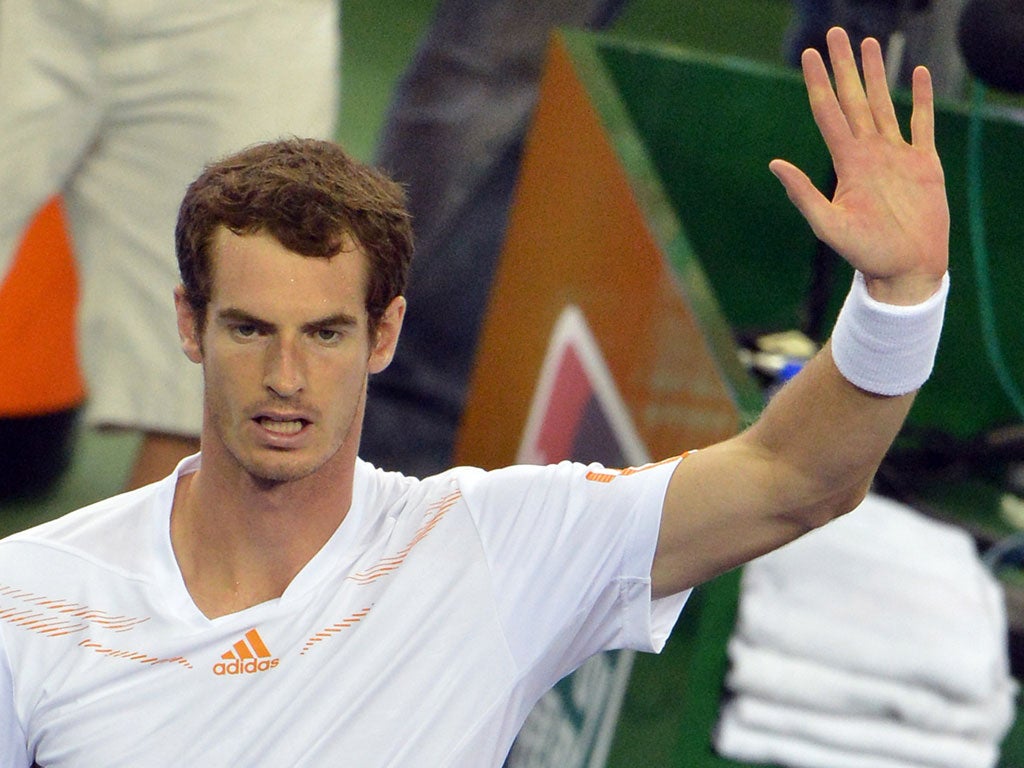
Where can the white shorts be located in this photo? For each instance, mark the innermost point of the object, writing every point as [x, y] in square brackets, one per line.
[117, 105]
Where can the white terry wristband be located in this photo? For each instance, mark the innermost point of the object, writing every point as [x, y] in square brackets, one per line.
[885, 348]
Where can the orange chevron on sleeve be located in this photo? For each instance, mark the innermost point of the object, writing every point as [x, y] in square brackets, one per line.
[610, 474]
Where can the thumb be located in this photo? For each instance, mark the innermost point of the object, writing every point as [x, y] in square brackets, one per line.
[813, 205]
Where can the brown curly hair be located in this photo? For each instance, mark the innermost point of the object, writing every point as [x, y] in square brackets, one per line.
[307, 193]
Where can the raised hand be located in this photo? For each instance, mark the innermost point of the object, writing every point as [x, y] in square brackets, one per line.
[889, 217]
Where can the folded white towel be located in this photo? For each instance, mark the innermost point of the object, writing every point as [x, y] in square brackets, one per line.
[872, 736]
[769, 674]
[737, 741]
[887, 592]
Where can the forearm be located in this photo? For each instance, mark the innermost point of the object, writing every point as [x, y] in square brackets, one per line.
[824, 438]
[832, 426]
[811, 455]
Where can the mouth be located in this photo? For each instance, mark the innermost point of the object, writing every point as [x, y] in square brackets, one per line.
[280, 425]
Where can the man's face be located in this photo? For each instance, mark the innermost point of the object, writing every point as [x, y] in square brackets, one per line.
[286, 353]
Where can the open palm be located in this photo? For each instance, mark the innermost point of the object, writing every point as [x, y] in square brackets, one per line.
[889, 217]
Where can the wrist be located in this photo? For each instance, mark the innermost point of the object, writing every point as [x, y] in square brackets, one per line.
[903, 291]
[888, 348]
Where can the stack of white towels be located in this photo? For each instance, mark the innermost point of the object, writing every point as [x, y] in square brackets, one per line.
[878, 641]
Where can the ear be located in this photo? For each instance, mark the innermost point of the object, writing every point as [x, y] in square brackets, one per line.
[188, 331]
[388, 329]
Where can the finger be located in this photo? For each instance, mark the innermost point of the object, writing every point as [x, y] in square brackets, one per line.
[813, 205]
[877, 88]
[922, 121]
[828, 115]
[849, 90]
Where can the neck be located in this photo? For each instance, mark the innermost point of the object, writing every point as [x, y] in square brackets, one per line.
[240, 541]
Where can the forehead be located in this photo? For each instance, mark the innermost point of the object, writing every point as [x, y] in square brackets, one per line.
[258, 274]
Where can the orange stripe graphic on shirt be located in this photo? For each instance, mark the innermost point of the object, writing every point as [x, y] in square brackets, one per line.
[435, 512]
[141, 658]
[326, 632]
[610, 474]
[53, 617]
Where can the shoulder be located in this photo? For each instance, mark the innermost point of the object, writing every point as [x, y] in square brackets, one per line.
[117, 534]
[569, 485]
[564, 483]
[398, 494]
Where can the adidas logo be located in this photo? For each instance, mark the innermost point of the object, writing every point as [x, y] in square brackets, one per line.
[246, 657]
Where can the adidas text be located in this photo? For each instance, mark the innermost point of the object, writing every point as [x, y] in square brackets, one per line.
[247, 667]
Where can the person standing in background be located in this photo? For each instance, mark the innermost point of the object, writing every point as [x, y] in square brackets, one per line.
[453, 136]
[115, 106]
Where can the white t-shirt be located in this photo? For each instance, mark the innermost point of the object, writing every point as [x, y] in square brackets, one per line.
[421, 634]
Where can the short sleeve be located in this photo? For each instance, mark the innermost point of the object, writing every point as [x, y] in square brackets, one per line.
[570, 549]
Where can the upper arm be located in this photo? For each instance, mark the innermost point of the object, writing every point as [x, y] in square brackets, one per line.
[720, 511]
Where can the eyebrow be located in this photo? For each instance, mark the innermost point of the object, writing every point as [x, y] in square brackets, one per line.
[241, 316]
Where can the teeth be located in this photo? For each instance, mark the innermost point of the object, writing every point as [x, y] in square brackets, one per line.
[281, 427]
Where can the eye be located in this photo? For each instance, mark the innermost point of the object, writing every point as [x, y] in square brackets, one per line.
[327, 335]
[244, 330]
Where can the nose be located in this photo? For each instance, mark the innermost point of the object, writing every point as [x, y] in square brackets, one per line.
[284, 368]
